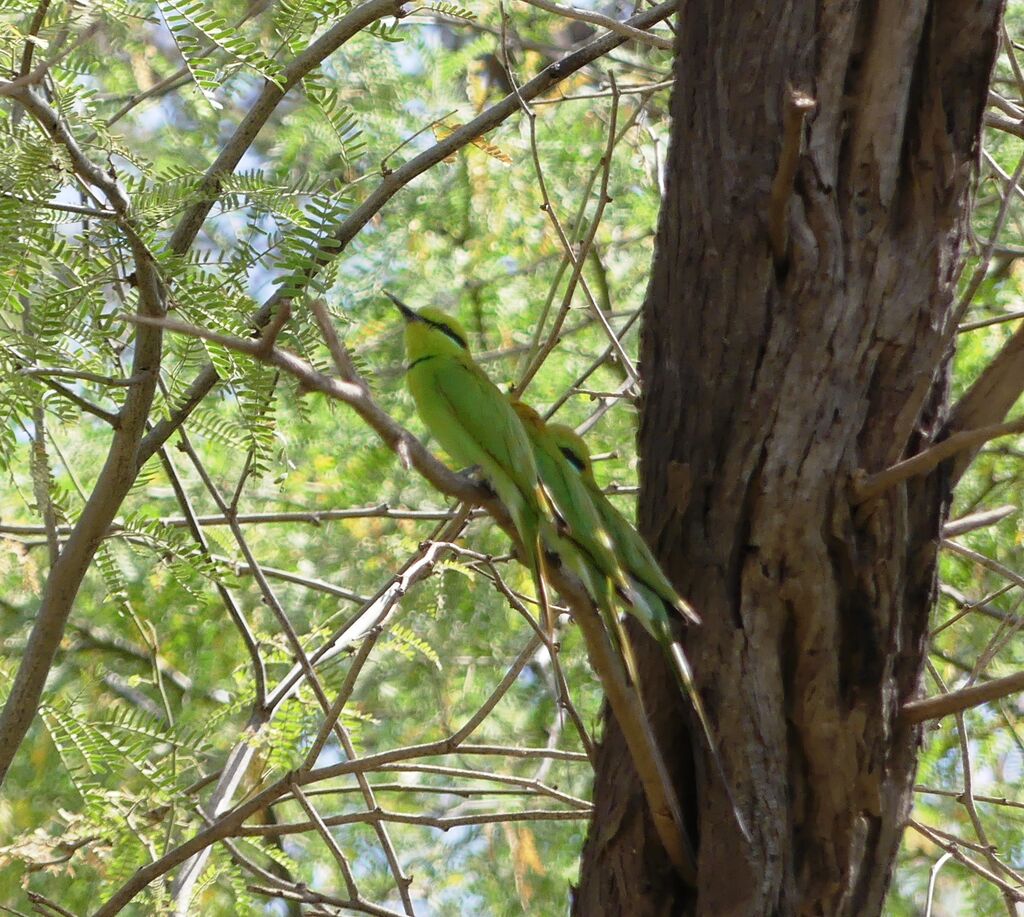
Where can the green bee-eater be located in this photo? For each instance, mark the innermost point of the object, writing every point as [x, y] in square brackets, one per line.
[579, 537]
[474, 423]
[654, 601]
[657, 601]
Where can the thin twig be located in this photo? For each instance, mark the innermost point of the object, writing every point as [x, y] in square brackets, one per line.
[13, 87]
[956, 794]
[607, 22]
[442, 823]
[988, 851]
[308, 517]
[328, 839]
[234, 611]
[63, 391]
[976, 521]
[965, 860]
[988, 322]
[797, 106]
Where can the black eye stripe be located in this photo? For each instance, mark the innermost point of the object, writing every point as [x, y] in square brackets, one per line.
[441, 326]
[573, 458]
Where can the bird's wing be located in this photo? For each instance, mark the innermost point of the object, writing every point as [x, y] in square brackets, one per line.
[488, 420]
[637, 557]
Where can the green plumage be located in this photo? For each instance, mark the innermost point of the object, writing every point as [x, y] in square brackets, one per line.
[656, 600]
[579, 537]
[653, 601]
[474, 423]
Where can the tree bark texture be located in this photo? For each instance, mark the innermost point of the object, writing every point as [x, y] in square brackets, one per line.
[771, 376]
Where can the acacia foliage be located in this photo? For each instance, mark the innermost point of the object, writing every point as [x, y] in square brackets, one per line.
[153, 684]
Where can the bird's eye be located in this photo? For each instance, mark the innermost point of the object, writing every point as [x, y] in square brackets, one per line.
[454, 335]
[573, 459]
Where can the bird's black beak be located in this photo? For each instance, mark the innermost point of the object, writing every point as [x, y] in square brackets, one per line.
[408, 314]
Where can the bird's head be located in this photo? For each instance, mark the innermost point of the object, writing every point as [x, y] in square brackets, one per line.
[572, 446]
[529, 417]
[430, 332]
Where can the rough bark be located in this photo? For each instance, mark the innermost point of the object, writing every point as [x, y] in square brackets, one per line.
[770, 378]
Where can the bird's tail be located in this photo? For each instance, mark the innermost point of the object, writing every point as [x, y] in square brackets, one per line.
[684, 674]
[604, 593]
[528, 524]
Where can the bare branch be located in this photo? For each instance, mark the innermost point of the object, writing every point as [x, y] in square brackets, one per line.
[328, 839]
[342, 361]
[106, 416]
[977, 521]
[234, 611]
[46, 372]
[404, 818]
[1007, 125]
[613, 25]
[991, 396]
[933, 708]
[869, 487]
[578, 259]
[987, 850]
[985, 561]
[965, 860]
[956, 794]
[988, 322]
[310, 517]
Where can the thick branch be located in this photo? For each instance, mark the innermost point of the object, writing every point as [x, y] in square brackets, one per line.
[991, 396]
[965, 441]
[933, 708]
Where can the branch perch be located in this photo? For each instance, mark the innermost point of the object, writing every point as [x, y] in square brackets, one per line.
[623, 699]
[613, 25]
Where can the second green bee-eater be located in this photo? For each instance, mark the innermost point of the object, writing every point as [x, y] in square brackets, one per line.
[579, 537]
[655, 601]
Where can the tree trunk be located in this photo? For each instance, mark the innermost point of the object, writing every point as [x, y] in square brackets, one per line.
[781, 354]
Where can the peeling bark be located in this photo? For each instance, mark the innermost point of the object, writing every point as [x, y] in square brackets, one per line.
[772, 381]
